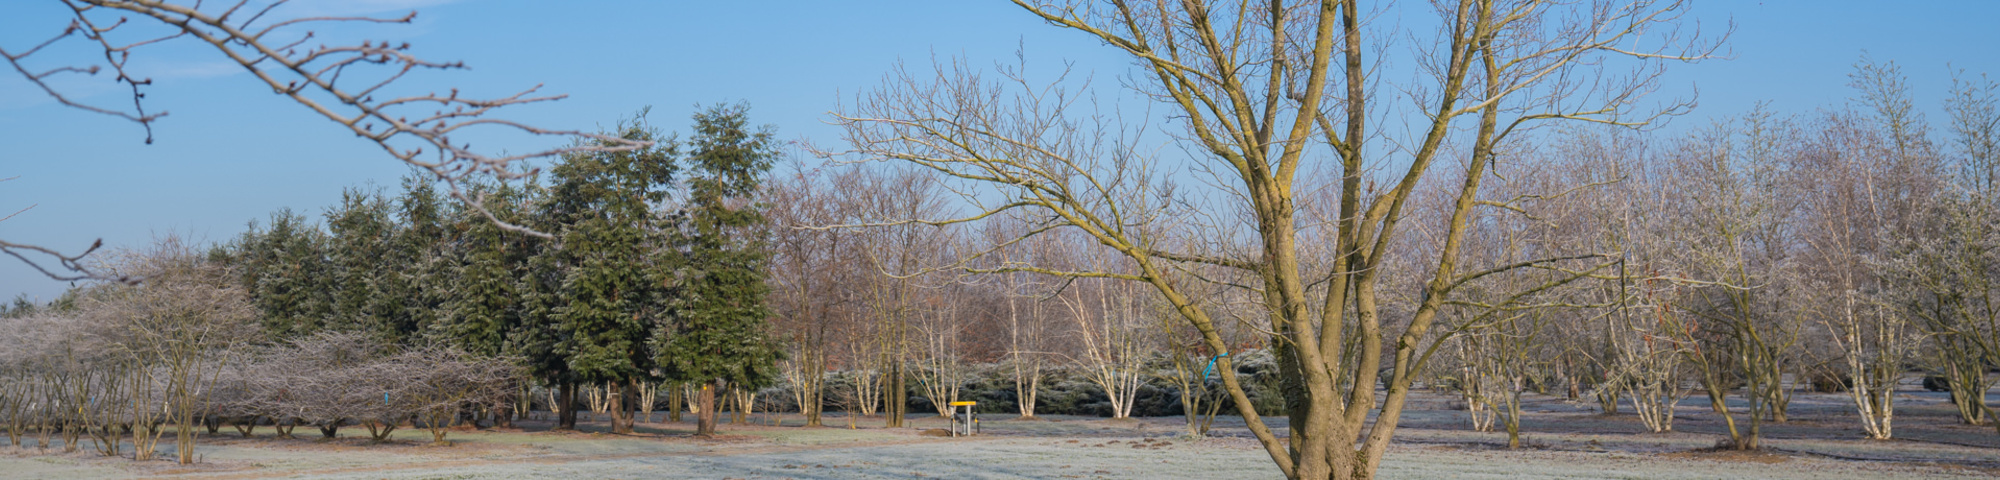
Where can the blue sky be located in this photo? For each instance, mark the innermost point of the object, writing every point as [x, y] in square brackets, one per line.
[230, 152]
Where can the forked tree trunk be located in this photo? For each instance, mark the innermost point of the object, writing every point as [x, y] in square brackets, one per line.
[247, 426]
[897, 401]
[378, 431]
[1330, 362]
[1967, 381]
[648, 395]
[814, 403]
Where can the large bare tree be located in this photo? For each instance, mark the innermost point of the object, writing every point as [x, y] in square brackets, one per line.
[1256, 90]
[813, 273]
[1944, 268]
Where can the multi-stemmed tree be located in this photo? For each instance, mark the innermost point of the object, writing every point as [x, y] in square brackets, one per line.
[1255, 90]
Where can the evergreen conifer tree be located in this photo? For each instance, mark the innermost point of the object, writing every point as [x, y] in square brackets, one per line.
[419, 282]
[598, 289]
[717, 334]
[360, 231]
[482, 290]
[283, 267]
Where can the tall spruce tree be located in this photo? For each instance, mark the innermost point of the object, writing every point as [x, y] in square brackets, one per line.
[716, 334]
[478, 283]
[537, 337]
[284, 268]
[360, 248]
[482, 299]
[598, 283]
[420, 284]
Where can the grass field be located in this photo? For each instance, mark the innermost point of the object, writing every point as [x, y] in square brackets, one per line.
[1565, 441]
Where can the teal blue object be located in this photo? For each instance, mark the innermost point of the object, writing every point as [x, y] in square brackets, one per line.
[1211, 365]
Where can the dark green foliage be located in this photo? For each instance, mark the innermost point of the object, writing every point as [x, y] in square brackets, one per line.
[598, 285]
[22, 306]
[387, 277]
[632, 283]
[284, 267]
[373, 269]
[366, 295]
[481, 303]
[423, 278]
[717, 327]
[378, 267]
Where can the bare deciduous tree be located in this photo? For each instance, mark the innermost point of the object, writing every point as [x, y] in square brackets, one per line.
[1849, 215]
[1111, 337]
[178, 321]
[1253, 89]
[1945, 268]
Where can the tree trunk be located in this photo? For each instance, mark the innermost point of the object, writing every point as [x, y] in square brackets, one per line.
[812, 409]
[621, 420]
[897, 400]
[503, 415]
[649, 395]
[739, 406]
[1966, 378]
[1716, 403]
[1513, 417]
[379, 431]
[736, 406]
[676, 398]
[816, 374]
[566, 420]
[705, 419]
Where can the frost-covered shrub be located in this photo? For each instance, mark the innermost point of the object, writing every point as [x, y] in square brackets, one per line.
[1258, 372]
[334, 379]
